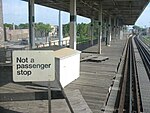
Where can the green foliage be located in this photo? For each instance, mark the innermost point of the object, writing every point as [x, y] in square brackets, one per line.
[84, 39]
[82, 30]
[20, 26]
[146, 40]
[137, 28]
[23, 26]
[66, 30]
[44, 29]
[10, 26]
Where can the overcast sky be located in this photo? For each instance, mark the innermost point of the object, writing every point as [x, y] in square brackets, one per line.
[16, 11]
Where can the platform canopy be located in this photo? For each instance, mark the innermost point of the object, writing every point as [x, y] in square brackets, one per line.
[126, 10]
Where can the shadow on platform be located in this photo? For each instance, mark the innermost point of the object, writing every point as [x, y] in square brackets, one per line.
[5, 75]
[3, 110]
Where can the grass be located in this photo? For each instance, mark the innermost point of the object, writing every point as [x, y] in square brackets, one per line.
[146, 40]
[82, 39]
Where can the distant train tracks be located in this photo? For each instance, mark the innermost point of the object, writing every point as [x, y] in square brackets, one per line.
[144, 51]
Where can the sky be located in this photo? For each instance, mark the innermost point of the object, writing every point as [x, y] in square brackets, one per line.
[16, 11]
[144, 19]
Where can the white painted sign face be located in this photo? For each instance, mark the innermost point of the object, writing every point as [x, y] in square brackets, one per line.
[33, 65]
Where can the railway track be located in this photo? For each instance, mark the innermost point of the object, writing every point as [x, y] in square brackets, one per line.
[129, 97]
[144, 53]
[130, 92]
[129, 100]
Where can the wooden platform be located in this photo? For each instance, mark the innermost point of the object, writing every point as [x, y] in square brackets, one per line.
[91, 87]
[96, 77]
[41, 106]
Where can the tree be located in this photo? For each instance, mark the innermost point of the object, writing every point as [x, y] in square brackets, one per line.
[66, 30]
[82, 30]
[23, 26]
[10, 26]
[43, 29]
[137, 29]
[20, 26]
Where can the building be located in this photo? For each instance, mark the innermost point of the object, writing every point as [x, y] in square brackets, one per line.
[17, 34]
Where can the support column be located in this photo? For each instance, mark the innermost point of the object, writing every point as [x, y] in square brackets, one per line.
[105, 31]
[1, 23]
[100, 28]
[73, 22]
[13, 26]
[31, 24]
[60, 29]
[110, 29]
[121, 32]
[125, 31]
[115, 26]
[118, 29]
[92, 30]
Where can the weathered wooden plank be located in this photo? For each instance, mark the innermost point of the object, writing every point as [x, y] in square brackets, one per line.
[40, 106]
[58, 106]
[77, 102]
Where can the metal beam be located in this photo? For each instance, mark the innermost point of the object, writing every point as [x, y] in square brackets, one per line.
[92, 30]
[100, 28]
[31, 24]
[110, 30]
[60, 29]
[118, 29]
[115, 26]
[105, 22]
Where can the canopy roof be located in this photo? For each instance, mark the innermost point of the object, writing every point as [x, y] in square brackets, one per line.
[126, 10]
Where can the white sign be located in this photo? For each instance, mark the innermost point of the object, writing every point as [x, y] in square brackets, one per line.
[33, 65]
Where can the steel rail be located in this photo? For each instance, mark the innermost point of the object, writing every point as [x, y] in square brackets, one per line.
[145, 55]
[130, 96]
[130, 76]
[124, 81]
[137, 106]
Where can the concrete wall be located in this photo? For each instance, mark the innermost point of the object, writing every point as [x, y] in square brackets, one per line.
[17, 34]
[1, 23]
[24, 33]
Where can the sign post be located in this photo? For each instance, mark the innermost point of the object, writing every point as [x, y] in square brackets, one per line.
[34, 65]
[49, 97]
